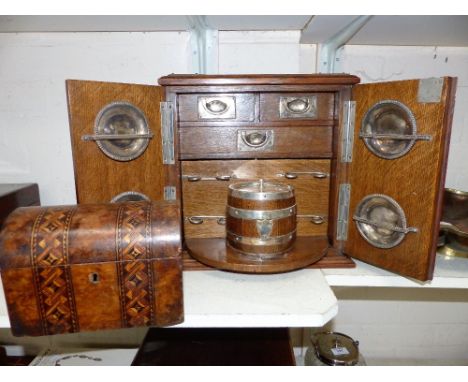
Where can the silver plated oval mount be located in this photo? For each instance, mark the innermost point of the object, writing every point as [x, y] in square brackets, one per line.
[389, 129]
[122, 119]
[381, 221]
[129, 196]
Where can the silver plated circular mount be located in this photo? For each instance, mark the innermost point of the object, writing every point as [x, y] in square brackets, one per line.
[381, 221]
[129, 196]
[125, 119]
[389, 129]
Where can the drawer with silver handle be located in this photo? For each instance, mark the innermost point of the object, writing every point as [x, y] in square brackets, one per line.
[216, 107]
[296, 106]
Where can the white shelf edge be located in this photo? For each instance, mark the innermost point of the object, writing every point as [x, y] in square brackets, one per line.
[449, 273]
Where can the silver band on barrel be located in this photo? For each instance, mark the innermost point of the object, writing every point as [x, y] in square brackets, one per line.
[261, 242]
[260, 214]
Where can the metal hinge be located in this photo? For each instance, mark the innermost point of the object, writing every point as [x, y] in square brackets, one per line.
[343, 211]
[349, 116]
[167, 130]
[169, 193]
[430, 90]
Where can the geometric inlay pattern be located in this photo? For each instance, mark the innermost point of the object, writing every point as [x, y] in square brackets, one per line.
[135, 272]
[49, 258]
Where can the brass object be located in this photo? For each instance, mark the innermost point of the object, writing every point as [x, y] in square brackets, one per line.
[333, 349]
[381, 221]
[298, 107]
[121, 131]
[454, 223]
[389, 129]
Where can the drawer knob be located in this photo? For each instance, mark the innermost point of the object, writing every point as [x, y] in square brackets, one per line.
[195, 220]
[317, 219]
[255, 139]
[216, 106]
[297, 106]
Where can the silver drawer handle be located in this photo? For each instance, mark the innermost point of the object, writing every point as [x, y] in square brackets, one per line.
[384, 225]
[197, 220]
[255, 139]
[193, 178]
[315, 174]
[197, 178]
[216, 106]
[298, 105]
[113, 137]
[315, 219]
[398, 137]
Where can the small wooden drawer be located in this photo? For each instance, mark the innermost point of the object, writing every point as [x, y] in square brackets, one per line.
[296, 106]
[205, 188]
[209, 107]
[269, 142]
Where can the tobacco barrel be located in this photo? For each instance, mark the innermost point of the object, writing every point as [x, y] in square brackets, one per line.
[261, 218]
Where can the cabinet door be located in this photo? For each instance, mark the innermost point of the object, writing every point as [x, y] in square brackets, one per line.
[397, 173]
[116, 132]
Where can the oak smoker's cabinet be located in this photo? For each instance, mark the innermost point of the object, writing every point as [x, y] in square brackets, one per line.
[367, 162]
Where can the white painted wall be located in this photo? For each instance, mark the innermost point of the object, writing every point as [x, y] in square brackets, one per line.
[34, 135]
[35, 146]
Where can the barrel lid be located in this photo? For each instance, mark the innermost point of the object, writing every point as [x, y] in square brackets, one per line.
[336, 349]
[261, 190]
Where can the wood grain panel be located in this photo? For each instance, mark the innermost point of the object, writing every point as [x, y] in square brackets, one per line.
[210, 228]
[269, 105]
[245, 106]
[257, 79]
[99, 178]
[21, 299]
[415, 180]
[97, 303]
[215, 253]
[289, 142]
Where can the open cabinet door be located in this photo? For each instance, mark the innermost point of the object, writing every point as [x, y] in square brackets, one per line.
[117, 133]
[397, 173]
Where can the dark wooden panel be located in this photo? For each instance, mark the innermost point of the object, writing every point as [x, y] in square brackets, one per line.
[415, 180]
[269, 106]
[222, 143]
[216, 347]
[99, 178]
[17, 195]
[244, 107]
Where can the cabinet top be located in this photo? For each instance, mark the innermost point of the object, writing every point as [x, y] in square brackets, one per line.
[258, 79]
